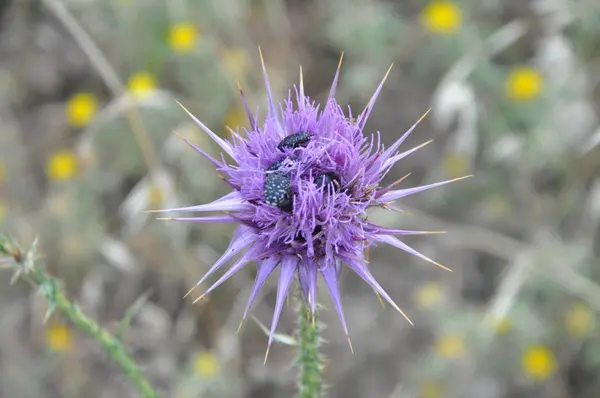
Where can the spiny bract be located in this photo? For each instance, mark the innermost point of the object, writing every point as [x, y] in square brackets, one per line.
[296, 154]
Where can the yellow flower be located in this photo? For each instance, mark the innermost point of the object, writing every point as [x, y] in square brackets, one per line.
[141, 84]
[450, 346]
[235, 61]
[538, 362]
[59, 338]
[81, 109]
[455, 164]
[501, 325]
[62, 166]
[524, 83]
[579, 320]
[428, 295]
[206, 365]
[155, 196]
[431, 390]
[183, 37]
[441, 17]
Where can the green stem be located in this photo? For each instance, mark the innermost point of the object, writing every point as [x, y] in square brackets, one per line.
[49, 287]
[309, 360]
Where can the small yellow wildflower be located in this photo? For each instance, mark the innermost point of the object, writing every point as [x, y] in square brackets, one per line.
[155, 196]
[524, 83]
[428, 295]
[59, 337]
[81, 109]
[441, 17]
[450, 346]
[579, 320]
[538, 362]
[431, 390]
[235, 61]
[206, 365]
[501, 325]
[236, 117]
[62, 166]
[141, 84]
[183, 37]
[455, 164]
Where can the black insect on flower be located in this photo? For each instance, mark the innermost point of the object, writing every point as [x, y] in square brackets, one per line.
[323, 180]
[296, 140]
[278, 191]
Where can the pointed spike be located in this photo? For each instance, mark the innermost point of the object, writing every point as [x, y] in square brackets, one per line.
[287, 269]
[403, 246]
[390, 151]
[190, 291]
[198, 149]
[199, 298]
[221, 142]
[301, 88]
[392, 160]
[240, 326]
[267, 354]
[399, 180]
[367, 111]
[394, 195]
[336, 78]
[363, 272]
[350, 344]
[379, 299]
[246, 107]
[272, 110]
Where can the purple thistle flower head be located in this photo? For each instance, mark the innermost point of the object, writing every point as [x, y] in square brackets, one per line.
[302, 182]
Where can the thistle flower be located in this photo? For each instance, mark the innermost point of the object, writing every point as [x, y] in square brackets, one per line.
[302, 182]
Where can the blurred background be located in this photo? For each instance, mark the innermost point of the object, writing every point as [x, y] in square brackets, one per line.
[87, 115]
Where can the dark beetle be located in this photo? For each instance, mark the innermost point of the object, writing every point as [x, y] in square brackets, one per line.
[278, 191]
[325, 179]
[294, 141]
[275, 166]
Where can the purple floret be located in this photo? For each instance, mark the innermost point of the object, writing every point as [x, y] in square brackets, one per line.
[302, 182]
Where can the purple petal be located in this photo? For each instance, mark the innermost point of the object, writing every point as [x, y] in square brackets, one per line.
[221, 142]
[390, 240]
[390, 151]
[230, 202]
[225, 218]
[362, 120]
[361, 270]
[201, 151]
[329, 273]
[379, 230]
[301, 93]
[241, 263]
[251, 119]
[265, 268]
[286, 274]
[400, 193]
[394, 159]
[336, 78]
[243, 237]
[271, 107]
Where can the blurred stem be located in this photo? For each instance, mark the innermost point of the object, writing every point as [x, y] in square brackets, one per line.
[25, 264]
[309, 360]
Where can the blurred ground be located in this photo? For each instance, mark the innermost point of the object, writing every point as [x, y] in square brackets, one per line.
[86, 144]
